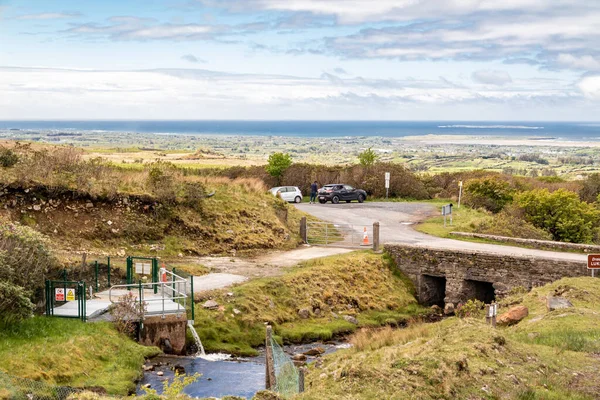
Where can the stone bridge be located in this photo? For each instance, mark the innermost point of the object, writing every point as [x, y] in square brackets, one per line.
[454, 276]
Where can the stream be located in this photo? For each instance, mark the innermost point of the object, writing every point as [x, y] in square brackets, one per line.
[234, 377]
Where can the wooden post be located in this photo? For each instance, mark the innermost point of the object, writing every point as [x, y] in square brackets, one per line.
[301, 372]
[269, 363]
[375, 236]
[303, 232]
[488, 314]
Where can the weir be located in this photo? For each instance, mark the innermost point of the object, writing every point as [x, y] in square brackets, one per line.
[200, 351]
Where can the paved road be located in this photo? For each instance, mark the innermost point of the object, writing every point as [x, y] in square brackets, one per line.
[396, 222]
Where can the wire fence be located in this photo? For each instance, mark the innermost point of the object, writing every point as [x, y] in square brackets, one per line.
[287, 376]
[15, 388]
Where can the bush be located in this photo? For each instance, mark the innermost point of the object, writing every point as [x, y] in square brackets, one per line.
[15, 304]
[367, 158]
[472, 308]
[8, 158]
[509, 223]
[25, 259]
[561, 214]
[489, 193]
[591, 188]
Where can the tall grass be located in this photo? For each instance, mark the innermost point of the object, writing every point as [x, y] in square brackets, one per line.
[376, 338]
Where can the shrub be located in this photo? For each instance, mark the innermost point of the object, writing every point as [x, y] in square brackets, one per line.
[472, 308]
[560, 213]
[15, 304]
[126, 313]
[367, 158]
[25, 259]
[193, 193]
[489, 193]
[161, 182]
[591, 188]
[8, 158]
[509, 223]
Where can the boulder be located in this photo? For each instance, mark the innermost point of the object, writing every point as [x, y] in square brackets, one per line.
[449, 309]
[436, 309]
[304, 313]
[179, 370]
[557, 303]
[315, 351]
[513, 316]
[351, 319]
[299, 357]
[210, 304]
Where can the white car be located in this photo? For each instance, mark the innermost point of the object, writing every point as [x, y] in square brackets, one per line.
[288, 193]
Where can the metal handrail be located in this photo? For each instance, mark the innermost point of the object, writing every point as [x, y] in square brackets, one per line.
[175, 294]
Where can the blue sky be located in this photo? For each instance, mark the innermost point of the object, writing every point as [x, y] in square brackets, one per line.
[300, 59]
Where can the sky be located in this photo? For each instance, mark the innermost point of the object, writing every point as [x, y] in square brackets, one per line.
[509, 60]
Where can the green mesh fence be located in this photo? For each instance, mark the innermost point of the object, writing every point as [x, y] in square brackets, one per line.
[286, 374]
[15, 388]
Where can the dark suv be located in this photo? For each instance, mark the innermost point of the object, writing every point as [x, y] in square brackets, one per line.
[338, 192]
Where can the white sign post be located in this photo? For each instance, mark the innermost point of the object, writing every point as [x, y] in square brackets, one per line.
[460, 185]
[387, 184]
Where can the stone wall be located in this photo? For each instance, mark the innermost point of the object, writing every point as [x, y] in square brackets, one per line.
[167, 333]
[534, 243]
[470, 274]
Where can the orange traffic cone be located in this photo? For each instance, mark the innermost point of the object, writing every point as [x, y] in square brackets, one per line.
[365, 238]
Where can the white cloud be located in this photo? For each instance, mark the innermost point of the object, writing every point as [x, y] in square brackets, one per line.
[192, 58]
[45, 16]
[590, 87]
[585, 62]
[491, 77]
[56, 93]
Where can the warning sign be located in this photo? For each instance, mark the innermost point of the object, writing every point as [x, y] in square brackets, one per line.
[70, 294]
[59, 294]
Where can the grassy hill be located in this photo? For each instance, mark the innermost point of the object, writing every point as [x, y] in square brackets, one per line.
[96, 206]
[549, 355]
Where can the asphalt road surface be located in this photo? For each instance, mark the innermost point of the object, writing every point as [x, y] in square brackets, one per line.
[396, 226]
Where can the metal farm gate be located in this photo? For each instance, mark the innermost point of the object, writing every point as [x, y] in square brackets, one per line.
[341, 235]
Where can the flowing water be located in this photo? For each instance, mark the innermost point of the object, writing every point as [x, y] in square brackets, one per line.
[196, 339]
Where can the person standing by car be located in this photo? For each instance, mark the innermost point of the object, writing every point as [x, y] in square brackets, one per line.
[314, 188]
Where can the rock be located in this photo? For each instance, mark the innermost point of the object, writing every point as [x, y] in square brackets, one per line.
[557, 303]
[37, 208]
[436, 309]
[229, 294]
[317, 311]
[236, 311]
[121, 253]
[109, 223]
[114, 231]
[160, 373]
[180, 255]
[179, 370]
[147, 386]
[148, 368]
[89, 205]
[449, 309]
[334, 315]
[299, 357]
[210, 304]
[315, 351]
[351, 319]
[304, 313]
[230, 231]
[513, 316]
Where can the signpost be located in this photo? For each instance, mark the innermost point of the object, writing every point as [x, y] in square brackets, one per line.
[491, 313]
[593, 262]
[447, 210]
[387, 184]
[460, 185]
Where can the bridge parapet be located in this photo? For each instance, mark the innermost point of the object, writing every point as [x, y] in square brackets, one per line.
[466, 274]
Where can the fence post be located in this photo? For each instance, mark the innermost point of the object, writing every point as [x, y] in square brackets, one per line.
[96, 270]
[48, 294]
[193, 304]
[84, 303]
[303, 232]
[155, 278]
[269, 363]
[375, 236]
[301, 371]
[108, 265]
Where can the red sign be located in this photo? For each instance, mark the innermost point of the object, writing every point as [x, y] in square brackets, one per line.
[59, 294]
[593, 261]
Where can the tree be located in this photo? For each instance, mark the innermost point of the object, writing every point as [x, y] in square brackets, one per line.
[560, 213]
[367, 158]
[278, 163]
[489, 193]
[591, 188]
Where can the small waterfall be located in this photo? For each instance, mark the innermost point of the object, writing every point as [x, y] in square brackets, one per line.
[197, 339]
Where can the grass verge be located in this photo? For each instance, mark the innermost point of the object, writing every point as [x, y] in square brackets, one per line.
[73, 353]
[316, 301]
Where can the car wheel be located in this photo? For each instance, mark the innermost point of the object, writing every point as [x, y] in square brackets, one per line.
[298, 199]
[335, 200]
[361, 198]
[322, 201]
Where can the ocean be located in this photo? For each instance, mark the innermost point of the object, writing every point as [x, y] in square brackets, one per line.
[314, 129]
